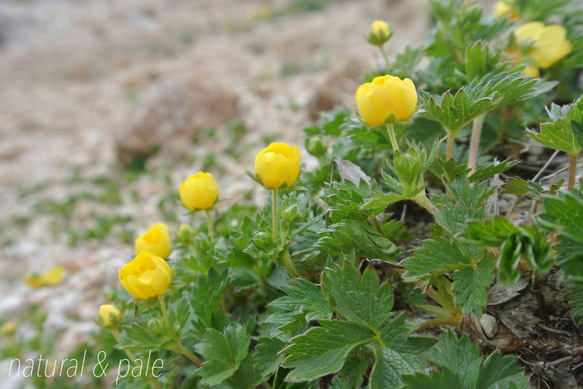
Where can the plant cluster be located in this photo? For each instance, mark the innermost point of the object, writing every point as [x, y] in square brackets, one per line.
[325, 285]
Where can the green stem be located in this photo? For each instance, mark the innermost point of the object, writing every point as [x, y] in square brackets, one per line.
[165, 314]
[188, 355]
[391, 131]
[209, 220]
[450, 143]
[475, 142]
[385, 57]
[287, 263]
[274, 211]
[422, 200]
[572, 169]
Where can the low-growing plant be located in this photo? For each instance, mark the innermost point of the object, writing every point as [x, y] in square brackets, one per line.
[379, 267]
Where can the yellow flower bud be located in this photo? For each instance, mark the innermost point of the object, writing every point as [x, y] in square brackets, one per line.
[384, 96]
[108, 317]
[185, 232]
[504, 8]
[146, 276]
[549, 43]
[156, 241]
[278, 165]
[199, 191]
[379, 33]
[8, 329]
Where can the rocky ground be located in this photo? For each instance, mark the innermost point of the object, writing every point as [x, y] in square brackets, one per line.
[86, 84]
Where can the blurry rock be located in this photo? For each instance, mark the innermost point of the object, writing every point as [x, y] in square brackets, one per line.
[338, 87]
[168, 113]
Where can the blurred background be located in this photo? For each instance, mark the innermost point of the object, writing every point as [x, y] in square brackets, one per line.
[106, 106]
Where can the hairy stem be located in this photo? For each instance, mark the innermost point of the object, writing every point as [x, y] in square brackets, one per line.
[392, 136]
[274, 213]
[287, 263]
[209, 220]
[572, 169]
[450, 142]
[475, 142]
[384, 53]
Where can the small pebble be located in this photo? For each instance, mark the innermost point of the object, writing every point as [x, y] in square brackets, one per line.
[489, 325]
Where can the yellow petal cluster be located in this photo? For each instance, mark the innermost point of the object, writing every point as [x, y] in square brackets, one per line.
[278, 165]
[384, 96]
[199, 192]
[53, 276]
[146, 276]
[156, 241]
[108, 317]
[549, 42]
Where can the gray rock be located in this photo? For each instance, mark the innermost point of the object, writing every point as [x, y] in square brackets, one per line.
[167, 115]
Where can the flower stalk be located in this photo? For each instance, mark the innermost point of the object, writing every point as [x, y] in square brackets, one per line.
[475, 142]
[572, 169]
[393, 138]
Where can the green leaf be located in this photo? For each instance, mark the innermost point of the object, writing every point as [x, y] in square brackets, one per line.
[304, 302]
[557, 136]
[471, 285]
[491, 170]
[268, 358]
[510, 255]
[439, 379]
[322, 350]
[206, 295]
[246, 376]
[353, 371]
[575, 296]
[358, 298]
[564, 215]
[449, 169]
[223, 353]
[134, 336]
[354, 235]
[491, 232]
[459, 355]
[435, 257]
[397, 353]
[476, 58]
[482, 95]
[500, 372]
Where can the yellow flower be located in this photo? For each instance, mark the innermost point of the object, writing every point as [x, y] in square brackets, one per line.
[8, 329]
[384, 96]
[278, 165]
[504, 8]
[108, 317]
[146, 276]
[52, 277]
[379, 33]
[531, 71]
[156, 240]
[199, 191]
[549, 43]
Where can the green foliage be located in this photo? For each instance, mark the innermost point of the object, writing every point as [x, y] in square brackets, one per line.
[492, 91]
[224, 353]
[462, 367]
